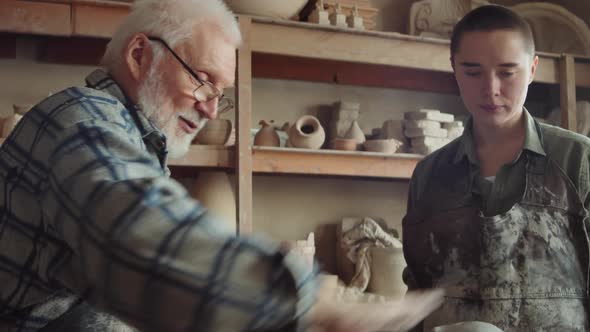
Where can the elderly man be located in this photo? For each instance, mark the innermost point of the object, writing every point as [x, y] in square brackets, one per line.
[94, 233]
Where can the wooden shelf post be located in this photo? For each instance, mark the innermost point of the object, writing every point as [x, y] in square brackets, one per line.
[243, 125]
[567, 85]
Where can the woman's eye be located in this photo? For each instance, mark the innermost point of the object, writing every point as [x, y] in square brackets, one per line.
[472, 73]
[507, 73]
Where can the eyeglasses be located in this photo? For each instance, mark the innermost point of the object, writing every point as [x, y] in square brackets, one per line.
[205, 90]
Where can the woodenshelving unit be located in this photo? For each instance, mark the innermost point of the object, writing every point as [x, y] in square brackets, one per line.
[390, 59]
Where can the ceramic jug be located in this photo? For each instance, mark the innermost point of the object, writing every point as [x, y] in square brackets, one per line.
[267, 135]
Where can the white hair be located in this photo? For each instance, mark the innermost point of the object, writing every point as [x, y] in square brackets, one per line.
[172, 20]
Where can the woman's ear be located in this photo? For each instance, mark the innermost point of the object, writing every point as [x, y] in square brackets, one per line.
[533, 69]
[138, 56]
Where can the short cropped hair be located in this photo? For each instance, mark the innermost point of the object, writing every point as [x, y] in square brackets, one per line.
[491, 18]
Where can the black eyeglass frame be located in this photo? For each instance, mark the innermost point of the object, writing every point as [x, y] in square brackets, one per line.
[225, 104]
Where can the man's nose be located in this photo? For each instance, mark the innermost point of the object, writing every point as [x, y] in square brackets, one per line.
[208, 109]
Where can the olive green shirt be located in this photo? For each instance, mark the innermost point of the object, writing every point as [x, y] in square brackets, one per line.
[571, 151]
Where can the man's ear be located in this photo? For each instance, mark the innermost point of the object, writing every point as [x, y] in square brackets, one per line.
[138, 56]
[534, 65]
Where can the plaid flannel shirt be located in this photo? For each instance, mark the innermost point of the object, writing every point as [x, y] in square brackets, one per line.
[87, 211]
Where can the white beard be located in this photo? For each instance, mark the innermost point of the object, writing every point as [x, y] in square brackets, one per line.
[151, 98]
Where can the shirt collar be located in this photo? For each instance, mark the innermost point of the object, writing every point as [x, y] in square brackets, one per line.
[101, 80]
[532, 140]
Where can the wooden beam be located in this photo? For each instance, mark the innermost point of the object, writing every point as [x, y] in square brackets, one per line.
[97, 21]
[243, 125]
[72, 50]
[568, 93]
[35, 17]
[7, 46]
[333, 162]
[351, 73]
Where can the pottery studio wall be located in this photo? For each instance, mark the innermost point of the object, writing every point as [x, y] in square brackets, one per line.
[25, 81]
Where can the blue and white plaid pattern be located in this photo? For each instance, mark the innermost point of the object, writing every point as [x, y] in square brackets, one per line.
[87, 210]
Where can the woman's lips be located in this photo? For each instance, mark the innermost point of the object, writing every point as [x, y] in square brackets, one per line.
[187, 125]
[491, 107]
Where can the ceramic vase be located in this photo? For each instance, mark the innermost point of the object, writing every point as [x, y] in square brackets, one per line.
[355, 132]
[307, 133]
[213, 189]
[267, 135]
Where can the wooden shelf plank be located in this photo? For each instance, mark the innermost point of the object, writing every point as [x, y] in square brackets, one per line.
[302, 161]
[207, 156]
[332, 162]
[312, 41]
[35, 17]
[351, 73]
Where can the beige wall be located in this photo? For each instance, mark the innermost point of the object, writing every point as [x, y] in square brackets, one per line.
[25, 81]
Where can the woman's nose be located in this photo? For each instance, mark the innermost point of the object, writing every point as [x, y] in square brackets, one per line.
[491, 85]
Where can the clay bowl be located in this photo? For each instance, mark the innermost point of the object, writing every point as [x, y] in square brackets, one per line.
[284, 9]
[388, 145]
[346, 144]
[215, 132]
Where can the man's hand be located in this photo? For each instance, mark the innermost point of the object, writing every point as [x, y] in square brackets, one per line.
[400, 315]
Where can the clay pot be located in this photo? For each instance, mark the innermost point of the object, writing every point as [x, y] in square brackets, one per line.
[307, 133]
[345, 144]
[267, 135]
[9, 123]
[388, 146]
[387, 265]
[215, 192]
[215, 132]
[284, 9]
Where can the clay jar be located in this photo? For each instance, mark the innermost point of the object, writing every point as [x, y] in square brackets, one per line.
[215, 132]
[307, 133]
[387, 265]
[267, 135]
